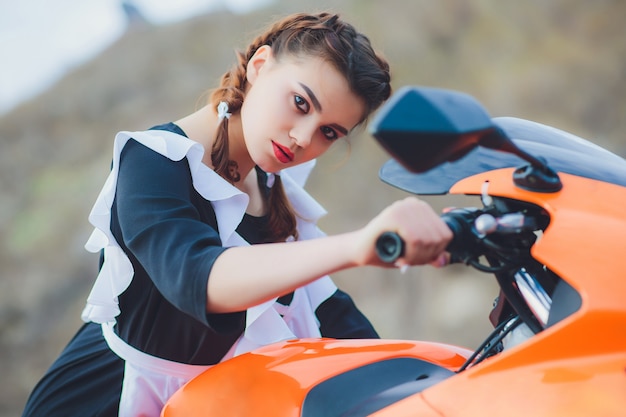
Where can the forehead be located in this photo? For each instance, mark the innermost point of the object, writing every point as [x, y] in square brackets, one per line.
[329, 85]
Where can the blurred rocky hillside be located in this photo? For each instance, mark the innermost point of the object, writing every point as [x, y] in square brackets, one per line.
[559, 62]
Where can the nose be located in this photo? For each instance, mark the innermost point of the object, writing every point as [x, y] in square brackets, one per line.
[302, 134]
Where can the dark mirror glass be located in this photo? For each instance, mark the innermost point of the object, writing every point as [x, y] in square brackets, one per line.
[423, 127]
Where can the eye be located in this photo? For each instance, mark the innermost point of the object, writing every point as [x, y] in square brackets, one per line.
[301, 104]
[329, 133]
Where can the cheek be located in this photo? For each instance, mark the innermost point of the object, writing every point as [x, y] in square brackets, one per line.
[277, 111]
[318, 147]
[265, 111]
[253, 115]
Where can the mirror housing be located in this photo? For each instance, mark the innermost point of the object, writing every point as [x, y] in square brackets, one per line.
[423, 127]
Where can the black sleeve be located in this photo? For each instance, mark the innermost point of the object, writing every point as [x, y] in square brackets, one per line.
[341, 319]
[163, 229]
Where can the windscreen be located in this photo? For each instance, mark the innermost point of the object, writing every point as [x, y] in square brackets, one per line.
[563, 151]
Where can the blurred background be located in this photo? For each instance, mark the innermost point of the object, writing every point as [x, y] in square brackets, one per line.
[73, 73]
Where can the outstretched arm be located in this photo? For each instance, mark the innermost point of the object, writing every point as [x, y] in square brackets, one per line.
[246, 276]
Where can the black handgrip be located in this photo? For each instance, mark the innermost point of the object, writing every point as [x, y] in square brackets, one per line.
[464, 243]
[389, 247]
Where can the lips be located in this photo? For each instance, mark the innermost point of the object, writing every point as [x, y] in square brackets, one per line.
[283, 154]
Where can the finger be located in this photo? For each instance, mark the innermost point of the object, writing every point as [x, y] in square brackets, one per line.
[441, 261]
[402, 265]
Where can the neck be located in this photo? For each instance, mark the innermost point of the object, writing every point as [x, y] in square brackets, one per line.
[201, 127]
[237, 149]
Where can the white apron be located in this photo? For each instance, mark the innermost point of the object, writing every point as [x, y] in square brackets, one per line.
[150, 381]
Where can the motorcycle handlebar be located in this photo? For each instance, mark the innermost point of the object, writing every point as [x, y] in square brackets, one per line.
[390, 245]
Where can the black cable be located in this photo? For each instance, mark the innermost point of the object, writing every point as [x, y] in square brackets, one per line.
[516, 322]
[488, 269]
[495, 336]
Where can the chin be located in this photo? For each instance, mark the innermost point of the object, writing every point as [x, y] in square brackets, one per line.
[272, 166]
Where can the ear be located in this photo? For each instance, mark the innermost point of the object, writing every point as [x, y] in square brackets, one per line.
[258, 60]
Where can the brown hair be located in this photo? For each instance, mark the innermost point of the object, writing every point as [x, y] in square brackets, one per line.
[322, 35]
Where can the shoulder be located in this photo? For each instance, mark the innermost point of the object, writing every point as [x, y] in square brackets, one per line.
[169, 127]
[168, 140]
[143, 157]
[154, 146]
[143, 171]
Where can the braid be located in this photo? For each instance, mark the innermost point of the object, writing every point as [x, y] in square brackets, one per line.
[231, 91]
[322, 35]
[282, 218]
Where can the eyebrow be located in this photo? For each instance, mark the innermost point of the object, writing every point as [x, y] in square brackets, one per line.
[318, 107]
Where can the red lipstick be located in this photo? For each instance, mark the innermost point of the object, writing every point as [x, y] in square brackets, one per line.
[282, 153]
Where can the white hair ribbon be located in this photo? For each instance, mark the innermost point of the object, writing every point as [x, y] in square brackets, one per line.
[222, 111]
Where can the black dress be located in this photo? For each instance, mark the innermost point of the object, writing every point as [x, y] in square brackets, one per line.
[163, 310]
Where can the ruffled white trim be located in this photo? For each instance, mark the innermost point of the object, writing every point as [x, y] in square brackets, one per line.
[264, 324]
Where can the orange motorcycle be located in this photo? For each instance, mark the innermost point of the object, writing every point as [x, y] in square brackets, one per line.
[551, 231]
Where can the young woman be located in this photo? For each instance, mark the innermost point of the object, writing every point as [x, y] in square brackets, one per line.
[208, 240]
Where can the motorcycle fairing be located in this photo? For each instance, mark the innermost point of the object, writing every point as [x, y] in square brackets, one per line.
[563, 152]
[371, 387]
[276, 379]
[570, 387]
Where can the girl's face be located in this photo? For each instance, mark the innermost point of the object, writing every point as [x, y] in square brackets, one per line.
[295, 109]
